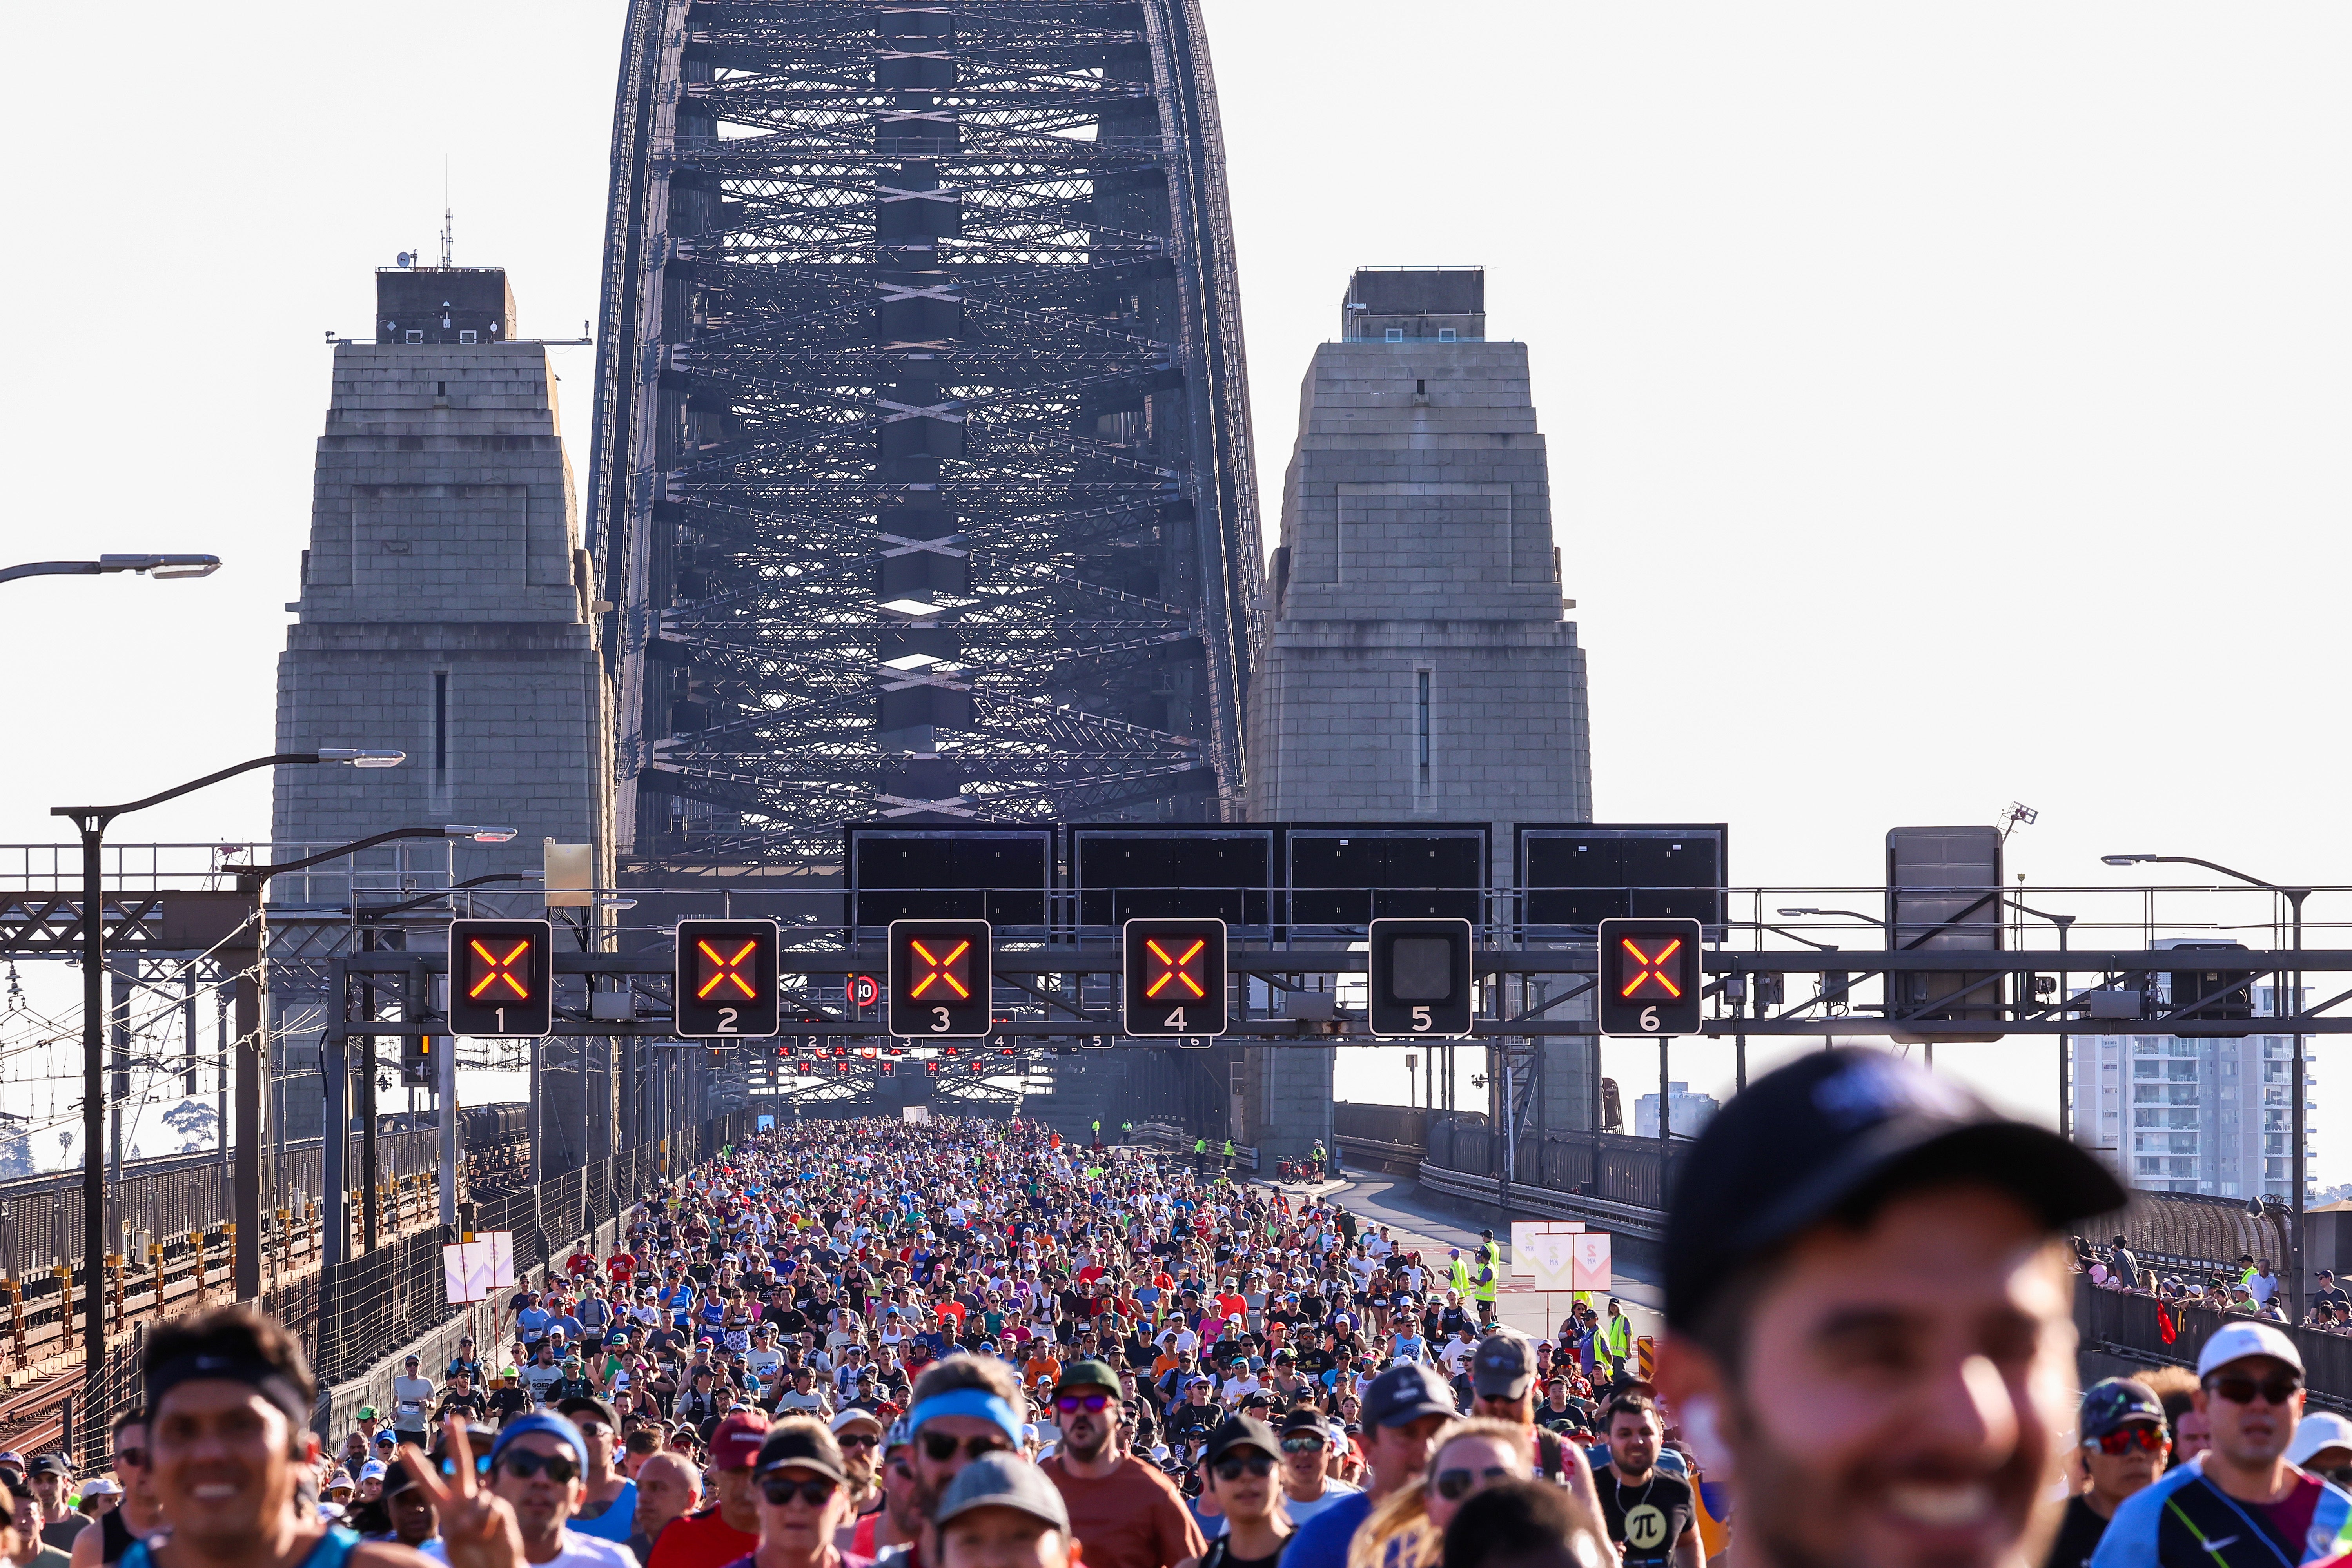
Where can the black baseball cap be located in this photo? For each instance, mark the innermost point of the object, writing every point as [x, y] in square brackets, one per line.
[804, 1444]
[1835, 1133]
[1502, 1367]
[589, 1404]
[1242, 1432]
[1406, 1393]
[1305, 1419]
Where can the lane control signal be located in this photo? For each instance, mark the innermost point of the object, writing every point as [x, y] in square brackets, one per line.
[500, 978]
[1175, 979]
[1418, 981]
[1651, 977]
[939, 979]
[725, 982]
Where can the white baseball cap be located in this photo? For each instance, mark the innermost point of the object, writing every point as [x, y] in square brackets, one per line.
[2235, 1341]
[2320, 1429]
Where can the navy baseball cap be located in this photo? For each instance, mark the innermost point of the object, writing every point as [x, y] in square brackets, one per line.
[1832, 1135]
[1406, 1393]
[2115, 1403]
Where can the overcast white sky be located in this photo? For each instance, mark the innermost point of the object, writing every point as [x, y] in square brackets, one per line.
[1946, 404]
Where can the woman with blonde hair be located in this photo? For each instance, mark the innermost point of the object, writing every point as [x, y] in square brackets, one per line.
[1408, 1529]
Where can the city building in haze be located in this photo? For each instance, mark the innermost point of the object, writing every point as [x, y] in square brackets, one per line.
[2193, 1114]
[1689, 1112]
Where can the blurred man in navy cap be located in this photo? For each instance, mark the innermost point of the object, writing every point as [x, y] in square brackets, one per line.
[1869, 1315]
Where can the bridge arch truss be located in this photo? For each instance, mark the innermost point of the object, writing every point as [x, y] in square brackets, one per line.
[921, 482]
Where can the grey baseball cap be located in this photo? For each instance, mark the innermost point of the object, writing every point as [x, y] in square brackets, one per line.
[1004, 1480]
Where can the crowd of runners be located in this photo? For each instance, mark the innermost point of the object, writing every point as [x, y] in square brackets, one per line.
[970, 1344]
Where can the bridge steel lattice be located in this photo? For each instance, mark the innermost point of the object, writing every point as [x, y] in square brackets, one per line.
[921, 478]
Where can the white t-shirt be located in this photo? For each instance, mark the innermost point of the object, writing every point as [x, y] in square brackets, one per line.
[1333, 1490]
[578, 1551]
[410, 1395]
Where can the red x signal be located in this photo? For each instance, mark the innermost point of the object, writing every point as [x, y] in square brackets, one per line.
[947, 971]
[1649, 976]
[1179, 975]
[491, 971]
[726, 973]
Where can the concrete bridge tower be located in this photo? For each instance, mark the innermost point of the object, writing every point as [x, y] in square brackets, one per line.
[447, 608]
[1419, 666]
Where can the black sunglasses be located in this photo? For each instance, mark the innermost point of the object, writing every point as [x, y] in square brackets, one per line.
[814, 1493]
[939, 1448]
[857, 1440]
[1306, 1443]
[1455, 1485]
[1232, 1469]
[2241, 1390]
[523, 1465]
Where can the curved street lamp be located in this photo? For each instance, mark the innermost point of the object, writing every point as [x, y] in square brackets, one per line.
[157, 566]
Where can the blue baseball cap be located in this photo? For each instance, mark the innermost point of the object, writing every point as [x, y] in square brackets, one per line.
[555, 1427]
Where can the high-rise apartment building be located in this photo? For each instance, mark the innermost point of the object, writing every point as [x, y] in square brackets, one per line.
[2193, 1114]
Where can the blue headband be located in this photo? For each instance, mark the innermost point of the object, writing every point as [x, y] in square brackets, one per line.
[967, 1402]
[559, 1428]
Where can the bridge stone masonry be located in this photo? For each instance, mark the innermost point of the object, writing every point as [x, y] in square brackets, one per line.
[1418, 665]
[448, 609]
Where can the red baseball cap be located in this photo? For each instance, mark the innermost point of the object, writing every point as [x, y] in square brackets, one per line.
[736, 1443]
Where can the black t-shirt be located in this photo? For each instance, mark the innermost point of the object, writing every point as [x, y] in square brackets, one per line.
[113, 1536]
[2078, 1536]
[1649, 1518]
[1221, 1556]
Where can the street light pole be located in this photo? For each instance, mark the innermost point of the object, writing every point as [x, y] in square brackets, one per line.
[251, 882]
[91, 822]
[2297, 1174]
[160, 567]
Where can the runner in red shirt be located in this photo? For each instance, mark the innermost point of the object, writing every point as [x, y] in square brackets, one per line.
[580, 1265]
[621, 1267]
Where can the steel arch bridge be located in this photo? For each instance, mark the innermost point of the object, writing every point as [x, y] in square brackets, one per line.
[922, 479]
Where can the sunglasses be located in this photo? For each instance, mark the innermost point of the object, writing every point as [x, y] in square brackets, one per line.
[523, 1466]
[2124, 1439]
[1304, 1443]
[481, 1465]
[2243, 1390]
[135, 1457]
[1068, 1402]
[939, 1448]
[814, 1493]
[1455, 1485]
[857, 1440]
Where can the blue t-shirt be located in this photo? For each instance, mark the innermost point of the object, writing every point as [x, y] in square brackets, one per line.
[1322, 1542]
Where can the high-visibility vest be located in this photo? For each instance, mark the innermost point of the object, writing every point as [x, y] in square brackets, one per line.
[1461, 1276]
